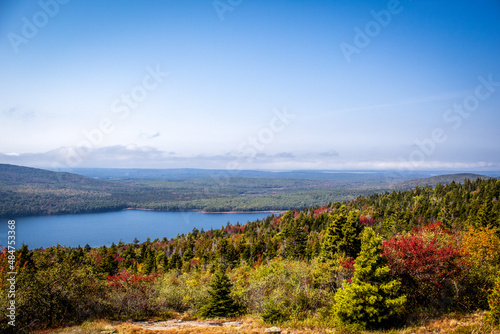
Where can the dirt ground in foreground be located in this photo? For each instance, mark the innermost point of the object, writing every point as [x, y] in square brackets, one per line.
[470, 324]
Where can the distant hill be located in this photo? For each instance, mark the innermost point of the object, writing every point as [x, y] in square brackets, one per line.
[367, 178]
[26, 191]
[435, 180]
[19, 176]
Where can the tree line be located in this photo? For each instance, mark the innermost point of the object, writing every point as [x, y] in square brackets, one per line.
[378, 261]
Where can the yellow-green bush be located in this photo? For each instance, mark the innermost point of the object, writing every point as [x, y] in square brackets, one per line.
[494, 303]
[280, 289]
[370, 300]
[182, 292]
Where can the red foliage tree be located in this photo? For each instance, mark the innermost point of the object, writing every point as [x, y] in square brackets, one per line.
[428, 263]
[130, 295]
[125, 279]
[366, 221]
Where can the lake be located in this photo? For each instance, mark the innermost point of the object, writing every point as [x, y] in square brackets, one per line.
[97, 229]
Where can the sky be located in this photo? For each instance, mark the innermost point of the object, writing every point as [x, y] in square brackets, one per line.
[241, 84]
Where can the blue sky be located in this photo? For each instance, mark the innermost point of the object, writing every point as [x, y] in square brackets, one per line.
[250, 84]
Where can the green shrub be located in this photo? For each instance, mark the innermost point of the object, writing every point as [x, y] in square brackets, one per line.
[220, 303]
[183, 292]
[493, 315]
[275, 313]
[285, 282]
[370, 299]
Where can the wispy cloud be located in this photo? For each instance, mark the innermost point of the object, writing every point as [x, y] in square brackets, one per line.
[133, 156]
[144, 135]
[17, 113]
[432, 98]
[330, 153]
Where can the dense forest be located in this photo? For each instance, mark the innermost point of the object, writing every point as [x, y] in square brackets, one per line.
[380, 261]
[28, 191]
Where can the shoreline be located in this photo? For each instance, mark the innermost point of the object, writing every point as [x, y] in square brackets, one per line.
[211, 212]
[260, 211]
[275, 212]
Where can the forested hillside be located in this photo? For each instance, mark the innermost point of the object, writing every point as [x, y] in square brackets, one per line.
[435, 180]
[380, 261]
[28, 191]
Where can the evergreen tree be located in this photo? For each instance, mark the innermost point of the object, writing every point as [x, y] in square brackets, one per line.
[342, 235]
[330, 238]
[231, 255]
[108, 264]
[76, 256]
[295, 240]
[244, 249]
[370, 299]
[222, 252]
[175, 261]
[188, 254]
[149, 262]
[485, 213]
[25, 257]
[142, 253]
[220, 303]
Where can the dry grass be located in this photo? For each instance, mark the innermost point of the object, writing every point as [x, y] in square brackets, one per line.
[455, 324]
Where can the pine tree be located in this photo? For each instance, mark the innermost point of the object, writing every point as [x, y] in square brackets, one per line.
[342, 235]
[108, 265]
[149, 263]
[25, 256]
[330, 239]
[370, 299]
[223, 251]
[485, 213]
[244, 249]
[220, 303]
[175, 261]
[188, 254]
[295, 240]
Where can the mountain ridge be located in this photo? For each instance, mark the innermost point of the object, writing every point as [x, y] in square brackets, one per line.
[26, 191]
[438, 179]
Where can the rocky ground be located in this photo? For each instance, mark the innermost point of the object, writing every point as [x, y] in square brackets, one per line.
[456, 324]
[180, 324]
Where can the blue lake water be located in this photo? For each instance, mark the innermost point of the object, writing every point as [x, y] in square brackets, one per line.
[97, 229]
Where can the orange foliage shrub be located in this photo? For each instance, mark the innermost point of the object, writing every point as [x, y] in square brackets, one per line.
[481, 246]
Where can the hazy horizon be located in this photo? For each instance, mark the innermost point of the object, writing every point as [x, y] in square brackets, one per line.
[311, 85]
[224, 172]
